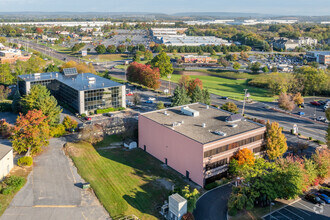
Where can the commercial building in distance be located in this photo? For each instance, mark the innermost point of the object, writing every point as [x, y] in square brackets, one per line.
[12, 55]
[322, 57]
[290, 44]
[198, 140]
[198, 59]
[184, 40]
[83, 92]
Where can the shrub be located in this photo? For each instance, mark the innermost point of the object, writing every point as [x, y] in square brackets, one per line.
[188, 216]
[310, 138]
[230, 106]
[299, 134]
[111, 109]
[69, 123]
[25, 161]
[83, 115]
[7, 190]
[57, 130]
[232, 211]
[13, 184]
[5, 106]
[160, 105]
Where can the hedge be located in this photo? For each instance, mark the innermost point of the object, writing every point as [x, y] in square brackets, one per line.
[106, 110]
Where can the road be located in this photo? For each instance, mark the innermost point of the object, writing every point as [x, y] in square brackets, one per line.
[53, 191]
[213, 204]
[257, 110]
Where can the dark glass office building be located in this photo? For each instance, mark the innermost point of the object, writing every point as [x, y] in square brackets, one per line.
[84, 92]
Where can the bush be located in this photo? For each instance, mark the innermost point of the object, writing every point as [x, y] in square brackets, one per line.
[12, 184]
[5, 106]
[310, 138]
[83, 115]
[111, 109]
[230, 107]
[319, 142]
[160, 105]
[7, 190]
[25, 161]
[232, 211]
[69, 123]
[57, 130]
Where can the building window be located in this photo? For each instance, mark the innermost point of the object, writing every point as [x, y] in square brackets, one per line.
[233, 145]
[216, 164]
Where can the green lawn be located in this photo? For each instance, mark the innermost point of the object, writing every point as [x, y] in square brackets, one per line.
[230, 87]
[124, 181]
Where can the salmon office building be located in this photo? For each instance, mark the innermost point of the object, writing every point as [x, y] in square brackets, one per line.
[198, 140]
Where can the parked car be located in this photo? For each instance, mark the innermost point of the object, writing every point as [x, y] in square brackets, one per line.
[128, 103]
[325, 191]
[322, 102]
[301, 113]
[314, 199]
[151, 99]
[149, 102]
[224, 97]
[88, 118]
[320, 118]
[130, 94]
[324, 197]
[109, 114]
[167, 105]
[315, 103]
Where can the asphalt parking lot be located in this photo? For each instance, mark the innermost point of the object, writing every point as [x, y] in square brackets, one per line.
[301, 210]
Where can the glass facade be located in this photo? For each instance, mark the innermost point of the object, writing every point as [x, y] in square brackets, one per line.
[216, 164]
[233, 145]
[103, 98]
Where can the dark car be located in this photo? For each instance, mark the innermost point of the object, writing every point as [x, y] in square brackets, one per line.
[324, 197]
[325, 191]
[315, 103]
[322, 102]
[224, 97]
[314, 199]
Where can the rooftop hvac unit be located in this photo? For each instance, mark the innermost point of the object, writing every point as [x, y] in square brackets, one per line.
[166, 113]
[188, 111]
[233, 125]
[220, 133]
[207, 107]
[91, 80]
[204, 125]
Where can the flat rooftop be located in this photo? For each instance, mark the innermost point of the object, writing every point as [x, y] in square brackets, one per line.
[213, 118]
[320, 52]
[80, 82]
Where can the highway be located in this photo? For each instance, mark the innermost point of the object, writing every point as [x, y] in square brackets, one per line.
[255, 110]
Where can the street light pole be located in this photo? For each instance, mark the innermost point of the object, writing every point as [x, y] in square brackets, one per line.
[245, 90]
[169, 84]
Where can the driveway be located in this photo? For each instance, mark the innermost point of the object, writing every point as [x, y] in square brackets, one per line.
[213, 204]
[52, 191]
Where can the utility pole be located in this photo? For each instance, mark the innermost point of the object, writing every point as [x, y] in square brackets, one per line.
[169, 84]
[245, 90]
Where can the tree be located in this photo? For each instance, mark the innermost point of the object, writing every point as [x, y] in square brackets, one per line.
[148, 55]
[143, 74]
[163, 62]
[285, 102]
[180, 96]
[100, 49]
[200, 53]
[234, 57]
[81, 67]
[236, 65]
[274, 69]
[192, 85]
[265, 69]
[77, 47]
[245, 156]
[15, 105]
[298, 99]
[255, 67]
[244, 56]
[121, 48]
[30, 132]
[197, 95]
[206, 97]
[224, 62]
[230, 107]
[3, 40]
[136, 98]
[137, 56]
[111, 49]
[6, 77]
[52, 68]
[184, 81]
[276, 144]
[39, 98]
[213, 53]
[160, 105]
[313, 80]
[39, 30]
[69, 123]
[4, 92]
[191, 197]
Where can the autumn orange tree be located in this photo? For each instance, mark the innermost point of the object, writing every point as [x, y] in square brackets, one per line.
[30, 132]
[275, 141]
[245, 156]
[81, 67]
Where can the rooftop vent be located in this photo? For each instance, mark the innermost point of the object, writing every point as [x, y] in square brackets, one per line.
[91, 79]
[207, 107]
[220, 133]
[188, 111]
[233, 125]
[166, 113]
[176, 124]
[234, 118]
[204, 125]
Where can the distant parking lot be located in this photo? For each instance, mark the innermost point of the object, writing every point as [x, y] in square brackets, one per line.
[301, 210]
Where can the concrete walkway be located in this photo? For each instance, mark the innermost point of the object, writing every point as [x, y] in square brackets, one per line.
[52, 191]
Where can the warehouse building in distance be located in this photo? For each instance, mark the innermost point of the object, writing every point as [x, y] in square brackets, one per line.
[84, 92]
[198, 140]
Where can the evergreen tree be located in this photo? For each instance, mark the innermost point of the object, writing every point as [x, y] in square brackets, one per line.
[180, 96]
[39, 98]
[52, 68]
[163, 63]
[275, 141]
[206, 97]
[197, 95]
[16, 102]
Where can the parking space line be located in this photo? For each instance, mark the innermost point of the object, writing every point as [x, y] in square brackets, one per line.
[301, 211]
[293, 213]
[306, 206]
[271, 217]
[284, 215]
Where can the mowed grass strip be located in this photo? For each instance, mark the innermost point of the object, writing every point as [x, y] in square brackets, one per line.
[229, 87]
[124, 181]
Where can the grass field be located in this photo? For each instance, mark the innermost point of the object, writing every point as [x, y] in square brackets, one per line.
[124, 181]
[229, 87]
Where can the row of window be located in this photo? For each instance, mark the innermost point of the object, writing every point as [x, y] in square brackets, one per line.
[233, 145]
[216, 164]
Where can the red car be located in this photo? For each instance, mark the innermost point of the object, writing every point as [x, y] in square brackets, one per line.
[315, 103]
[129, 94]
[88, 118]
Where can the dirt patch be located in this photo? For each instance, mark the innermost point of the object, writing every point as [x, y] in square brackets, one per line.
[71, 150]
[165, 183]
[21, 171]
